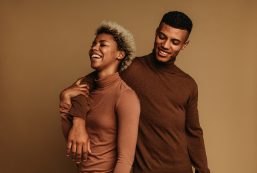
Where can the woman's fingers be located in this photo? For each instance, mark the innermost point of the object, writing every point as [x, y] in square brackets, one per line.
[78, 81]
[84, 86]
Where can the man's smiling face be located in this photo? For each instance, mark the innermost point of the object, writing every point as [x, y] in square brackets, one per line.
[168, 42]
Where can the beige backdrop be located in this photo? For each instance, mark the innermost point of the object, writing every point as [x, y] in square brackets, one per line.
[43, 48]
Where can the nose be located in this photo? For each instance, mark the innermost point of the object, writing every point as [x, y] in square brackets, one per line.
[95, 47]
[166, 44]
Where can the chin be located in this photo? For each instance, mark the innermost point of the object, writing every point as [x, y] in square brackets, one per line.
[94, 66]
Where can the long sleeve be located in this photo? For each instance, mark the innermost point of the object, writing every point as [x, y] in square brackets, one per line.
[79, 106]
[128, 110]
[194, 134]
[66, 119]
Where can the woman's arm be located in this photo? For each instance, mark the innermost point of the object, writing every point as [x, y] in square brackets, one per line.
[77, 88]
[128, 110]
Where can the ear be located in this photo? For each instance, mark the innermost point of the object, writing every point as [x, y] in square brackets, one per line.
[121, 55]
[185, 44]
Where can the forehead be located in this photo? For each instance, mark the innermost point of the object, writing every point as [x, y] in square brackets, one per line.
[172, 32]
[104, 37]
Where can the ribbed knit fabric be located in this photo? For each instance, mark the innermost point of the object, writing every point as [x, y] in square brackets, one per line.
[170, 138]
[112, 124]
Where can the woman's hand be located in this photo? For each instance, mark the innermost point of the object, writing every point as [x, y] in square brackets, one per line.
[78, 143]
[73, 91]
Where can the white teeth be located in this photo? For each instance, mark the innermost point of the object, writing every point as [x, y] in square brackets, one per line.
[163, 53]
[95, 56]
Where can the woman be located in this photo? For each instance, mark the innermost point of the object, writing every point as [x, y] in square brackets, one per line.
[112, 120]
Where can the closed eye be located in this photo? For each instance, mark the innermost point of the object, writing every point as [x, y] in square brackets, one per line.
[162, 36]
[175, 41]
[103, 44]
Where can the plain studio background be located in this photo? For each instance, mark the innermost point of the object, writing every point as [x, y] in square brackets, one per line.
[43, 48]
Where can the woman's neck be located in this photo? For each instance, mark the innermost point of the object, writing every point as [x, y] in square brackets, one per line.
[105, 73]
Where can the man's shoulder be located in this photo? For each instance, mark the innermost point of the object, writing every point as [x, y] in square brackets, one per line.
[185, 75]
[125, 91]
[137, 64]
[144, 57]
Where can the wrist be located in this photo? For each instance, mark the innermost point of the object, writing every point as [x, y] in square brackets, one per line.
[64, 95]
[77, 121]
[65, 98]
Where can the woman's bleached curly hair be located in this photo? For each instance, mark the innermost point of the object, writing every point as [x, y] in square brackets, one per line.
[124, 39]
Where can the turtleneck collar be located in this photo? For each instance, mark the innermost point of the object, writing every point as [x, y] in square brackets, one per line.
[169, 67]
[107, 81]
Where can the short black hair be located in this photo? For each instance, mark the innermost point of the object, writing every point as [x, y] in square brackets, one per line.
[178, 20]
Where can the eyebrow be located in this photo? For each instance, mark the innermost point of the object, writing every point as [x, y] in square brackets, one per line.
[101, 41]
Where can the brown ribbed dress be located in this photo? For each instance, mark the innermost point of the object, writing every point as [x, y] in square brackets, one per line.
[112, 125]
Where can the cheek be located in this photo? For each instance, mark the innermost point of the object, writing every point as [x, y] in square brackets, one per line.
[176, 49]
[112, 53]
[158, 41]
[107, 51]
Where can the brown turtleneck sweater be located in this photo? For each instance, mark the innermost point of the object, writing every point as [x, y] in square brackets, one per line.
[170, 138]
[112, 125]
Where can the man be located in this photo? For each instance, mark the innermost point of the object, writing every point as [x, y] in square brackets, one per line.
[170, 139]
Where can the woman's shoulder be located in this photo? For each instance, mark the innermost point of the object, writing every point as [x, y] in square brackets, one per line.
[125, 90]
[127, 96]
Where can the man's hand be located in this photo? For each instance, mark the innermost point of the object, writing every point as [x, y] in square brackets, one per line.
[78, 143]
[73, 91]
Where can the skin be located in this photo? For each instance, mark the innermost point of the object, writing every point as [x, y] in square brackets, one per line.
[169, 41]
[78, 142]
[105, 59]
[105, 56]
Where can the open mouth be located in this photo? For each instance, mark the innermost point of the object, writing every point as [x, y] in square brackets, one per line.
[95, 56]
[163, 53]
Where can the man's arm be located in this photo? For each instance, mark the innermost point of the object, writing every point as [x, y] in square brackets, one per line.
[128, 111]
[65, 103]
[194, 134]
[78, 142]
[73, 119]
[74, 127]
